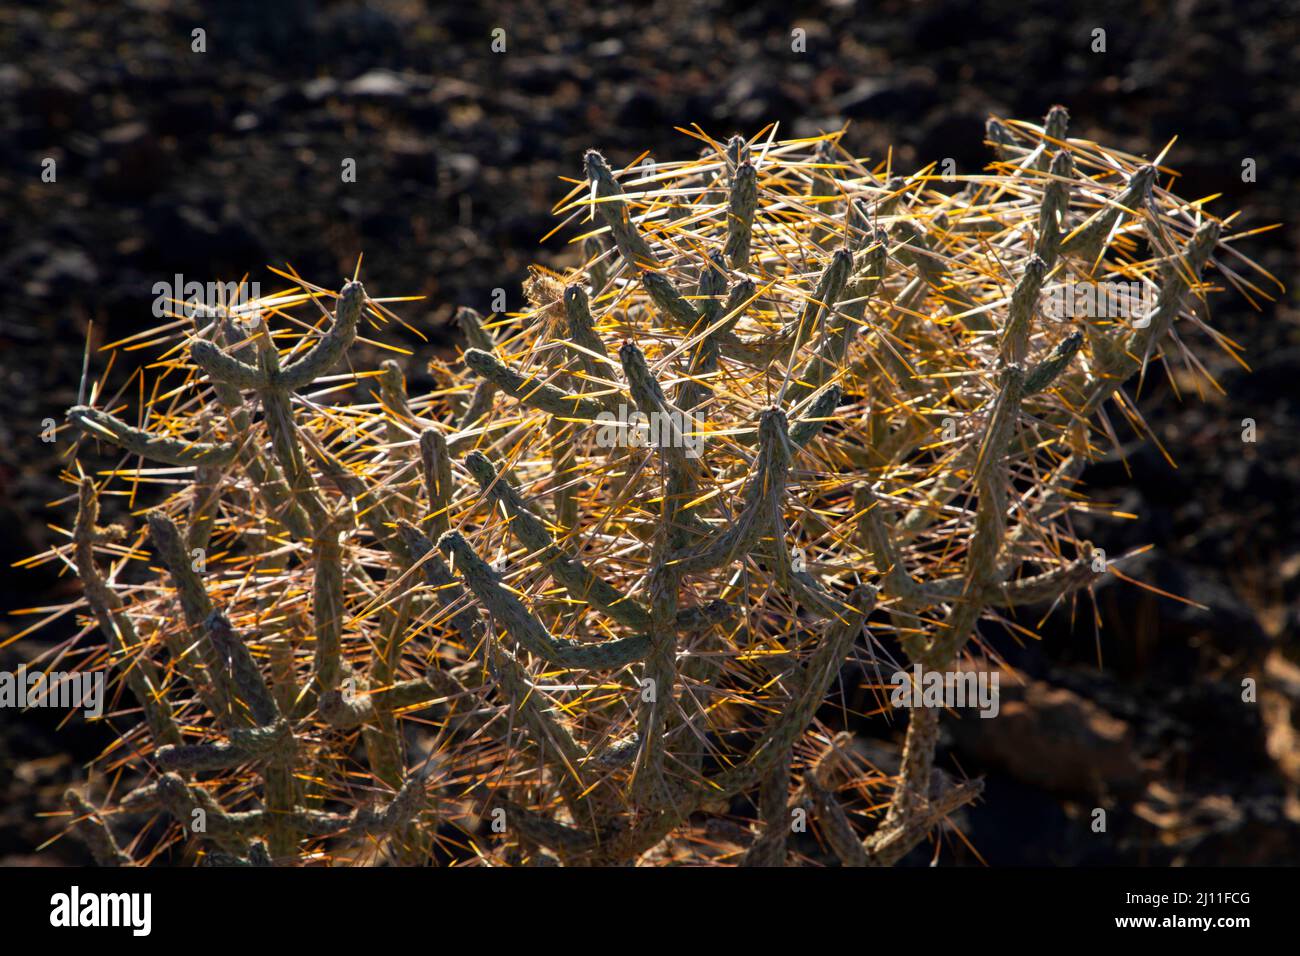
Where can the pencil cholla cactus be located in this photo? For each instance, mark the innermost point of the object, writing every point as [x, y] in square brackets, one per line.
[793, 423]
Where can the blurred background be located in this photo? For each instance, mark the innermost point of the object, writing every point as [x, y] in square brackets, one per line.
[215, 164]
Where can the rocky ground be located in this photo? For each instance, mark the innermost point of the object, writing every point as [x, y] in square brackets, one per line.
[217, 163]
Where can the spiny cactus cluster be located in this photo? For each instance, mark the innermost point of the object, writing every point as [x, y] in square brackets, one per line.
[793, 423]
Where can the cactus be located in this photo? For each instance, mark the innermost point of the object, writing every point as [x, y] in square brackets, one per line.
[461, 627]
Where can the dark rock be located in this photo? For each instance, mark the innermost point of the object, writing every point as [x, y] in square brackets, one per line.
[204, 244]
[58, 98]
[888, 97]
[320, 88]
[378, 85]
[132, 161]
[1051, 738]
[61, 271]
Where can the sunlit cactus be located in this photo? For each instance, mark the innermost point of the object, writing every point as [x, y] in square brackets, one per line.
[791, 422]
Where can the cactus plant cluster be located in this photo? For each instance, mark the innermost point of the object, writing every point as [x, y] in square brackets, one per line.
[361, 624]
